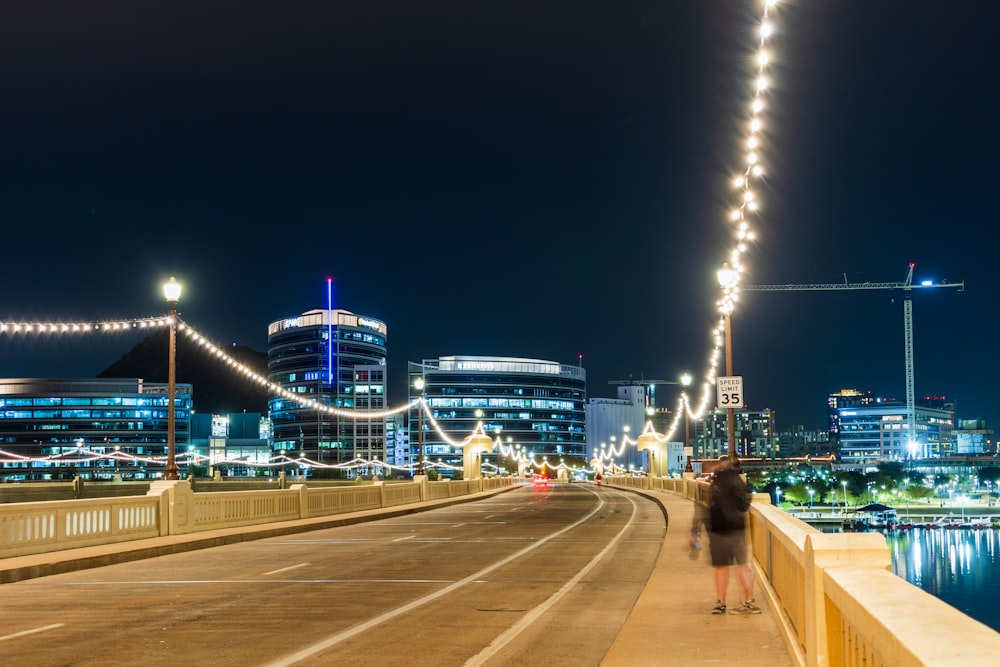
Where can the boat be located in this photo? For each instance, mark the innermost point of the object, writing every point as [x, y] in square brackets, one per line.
[875, 515]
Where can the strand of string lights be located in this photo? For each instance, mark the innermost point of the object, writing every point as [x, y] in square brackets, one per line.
[83, 327]
[747, 204]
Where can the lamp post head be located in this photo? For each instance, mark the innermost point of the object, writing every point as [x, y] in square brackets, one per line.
[418, 384]
[728, 277]
[686, 379]
[172, 290]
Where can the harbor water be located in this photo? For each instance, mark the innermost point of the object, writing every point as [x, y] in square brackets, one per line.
[959, 566]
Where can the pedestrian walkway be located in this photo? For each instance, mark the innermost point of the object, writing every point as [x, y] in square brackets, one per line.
[672, 623]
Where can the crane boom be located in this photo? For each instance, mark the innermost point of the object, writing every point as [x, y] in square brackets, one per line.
[907, 286]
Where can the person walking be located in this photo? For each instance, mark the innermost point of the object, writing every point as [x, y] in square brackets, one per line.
[728, 504]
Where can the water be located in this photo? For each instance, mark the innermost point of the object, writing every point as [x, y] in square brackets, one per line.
[959, 566]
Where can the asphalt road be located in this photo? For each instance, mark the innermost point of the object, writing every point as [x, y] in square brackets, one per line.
[541, 576]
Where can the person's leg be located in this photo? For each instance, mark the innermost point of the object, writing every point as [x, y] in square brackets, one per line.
[745, 576]
[721, 582]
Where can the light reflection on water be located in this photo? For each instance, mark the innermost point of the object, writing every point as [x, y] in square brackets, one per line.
[958, 566]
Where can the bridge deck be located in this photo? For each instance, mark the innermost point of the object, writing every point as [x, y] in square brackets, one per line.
[671, 623]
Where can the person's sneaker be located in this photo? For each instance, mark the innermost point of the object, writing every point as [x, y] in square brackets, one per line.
[719, 608]
[748, 607]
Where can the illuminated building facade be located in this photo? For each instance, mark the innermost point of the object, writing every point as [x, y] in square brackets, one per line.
[337, 358]
[539, 405]
[756, 436]
[870, 429]
[610, 420]
[42, 417]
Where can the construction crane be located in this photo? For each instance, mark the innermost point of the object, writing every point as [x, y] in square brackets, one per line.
[907, 286]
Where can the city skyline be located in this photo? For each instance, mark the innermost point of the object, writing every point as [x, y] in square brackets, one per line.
[511, 180]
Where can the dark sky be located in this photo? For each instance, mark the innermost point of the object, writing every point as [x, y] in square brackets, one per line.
[536, 179]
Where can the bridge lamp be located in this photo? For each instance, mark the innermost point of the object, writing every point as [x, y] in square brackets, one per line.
[172, 293]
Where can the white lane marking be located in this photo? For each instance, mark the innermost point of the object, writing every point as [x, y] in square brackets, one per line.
[400, 539]
[335, 639]
[286, 569]
[22, 633]
[506, 637]
[457, 525]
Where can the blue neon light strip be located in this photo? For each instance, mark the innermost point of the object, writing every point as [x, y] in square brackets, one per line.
[329, 331]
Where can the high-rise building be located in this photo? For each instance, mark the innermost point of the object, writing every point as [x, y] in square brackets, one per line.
[755, 434]
[44, 417]
[336, 358]
[539, 405]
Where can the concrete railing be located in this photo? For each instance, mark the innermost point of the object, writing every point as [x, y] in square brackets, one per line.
[172, 508]
[29, 528]
[836, 600]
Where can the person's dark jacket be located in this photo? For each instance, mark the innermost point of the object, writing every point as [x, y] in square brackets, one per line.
[728, 502]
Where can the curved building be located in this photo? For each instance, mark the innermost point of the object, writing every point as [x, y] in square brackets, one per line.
[337, 358]
[539, 405]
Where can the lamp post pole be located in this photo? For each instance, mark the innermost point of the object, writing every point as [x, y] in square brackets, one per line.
[727, 279]
[686, 382]
[172, 293]
[419, 385]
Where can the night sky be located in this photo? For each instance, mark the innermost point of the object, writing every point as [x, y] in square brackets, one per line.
[532, 179]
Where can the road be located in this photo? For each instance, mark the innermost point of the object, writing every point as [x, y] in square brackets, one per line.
[534, 576]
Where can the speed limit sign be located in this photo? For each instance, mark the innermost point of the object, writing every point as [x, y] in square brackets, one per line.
[730, 391]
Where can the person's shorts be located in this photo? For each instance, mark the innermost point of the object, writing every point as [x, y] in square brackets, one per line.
[728, 548]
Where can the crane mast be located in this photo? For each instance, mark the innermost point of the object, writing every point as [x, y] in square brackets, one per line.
[907, 286]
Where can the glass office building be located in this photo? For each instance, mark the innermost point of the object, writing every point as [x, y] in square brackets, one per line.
[337, 358]
[539, 405]
[49, 417]
[869, 429]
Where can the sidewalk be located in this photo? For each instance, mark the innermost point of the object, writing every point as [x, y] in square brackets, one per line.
[672, 623]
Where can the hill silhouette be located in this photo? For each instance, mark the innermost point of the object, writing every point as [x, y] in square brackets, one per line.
[217, 388]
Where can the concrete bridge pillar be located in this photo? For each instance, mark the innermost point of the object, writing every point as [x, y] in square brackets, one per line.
[176, 505]
[657, 451]
[472, 454]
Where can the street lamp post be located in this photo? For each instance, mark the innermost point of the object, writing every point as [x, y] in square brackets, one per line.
[686, 382]
[728, 278]
[418, 384]
[843, 484]
[172, 293]
[628, 454]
